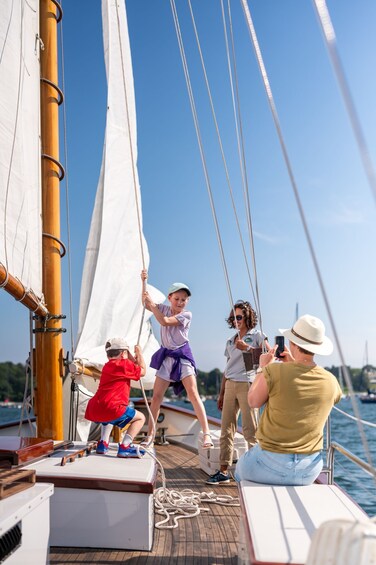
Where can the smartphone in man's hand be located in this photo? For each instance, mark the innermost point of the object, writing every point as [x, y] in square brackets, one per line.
[280, 341]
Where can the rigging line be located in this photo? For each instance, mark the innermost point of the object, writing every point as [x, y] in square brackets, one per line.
[241, 149]
[365, 422]
[229, 185]
[357, 483]
[69, 255]
[31, 325]
[6, 34]
[14, 135]
[27, 405]
[303, 219]
[133, 164]
[202, 154]
[327, 28]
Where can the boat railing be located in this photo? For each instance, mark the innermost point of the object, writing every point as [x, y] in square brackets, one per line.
[332, 447]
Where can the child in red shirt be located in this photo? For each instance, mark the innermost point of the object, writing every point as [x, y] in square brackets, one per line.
[109, 405]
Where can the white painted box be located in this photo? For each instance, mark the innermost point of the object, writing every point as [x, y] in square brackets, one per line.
[209, 458]
[100, 500]
[28, 510]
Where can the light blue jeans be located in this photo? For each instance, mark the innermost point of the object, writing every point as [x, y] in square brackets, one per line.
[261, 466]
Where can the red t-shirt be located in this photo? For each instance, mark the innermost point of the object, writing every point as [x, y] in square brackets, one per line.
[112, 397]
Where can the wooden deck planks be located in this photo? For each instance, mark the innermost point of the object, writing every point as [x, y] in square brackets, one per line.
[208, 539]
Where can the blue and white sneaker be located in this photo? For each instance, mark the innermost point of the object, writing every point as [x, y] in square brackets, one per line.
[130, 450]
[102, 447]
[218, 478]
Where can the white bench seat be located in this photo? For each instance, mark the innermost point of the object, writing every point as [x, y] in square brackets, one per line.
[277, 522]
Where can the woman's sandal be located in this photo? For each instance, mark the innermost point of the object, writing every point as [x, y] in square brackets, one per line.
[207, 444]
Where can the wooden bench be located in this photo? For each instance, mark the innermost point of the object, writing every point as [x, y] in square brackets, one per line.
[277, 522]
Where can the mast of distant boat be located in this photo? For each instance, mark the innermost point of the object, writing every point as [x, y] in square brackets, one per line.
[366, 354]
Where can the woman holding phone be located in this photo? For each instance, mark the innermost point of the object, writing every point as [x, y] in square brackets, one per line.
[298, 397]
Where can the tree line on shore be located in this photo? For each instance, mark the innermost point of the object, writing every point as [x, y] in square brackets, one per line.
[13, 376]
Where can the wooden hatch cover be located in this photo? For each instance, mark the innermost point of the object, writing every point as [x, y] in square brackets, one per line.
[19, 450]
[15, 480]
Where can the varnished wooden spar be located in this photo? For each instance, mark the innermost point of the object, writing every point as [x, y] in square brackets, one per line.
[16, 289]
[49, 351]
[77, 367]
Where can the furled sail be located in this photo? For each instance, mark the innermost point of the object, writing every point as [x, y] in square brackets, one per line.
[20, 179]
[110, 302]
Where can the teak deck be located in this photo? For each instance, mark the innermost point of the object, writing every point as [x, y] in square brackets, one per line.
[210, 538]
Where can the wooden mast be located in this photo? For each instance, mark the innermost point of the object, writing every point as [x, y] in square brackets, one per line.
[49, 353]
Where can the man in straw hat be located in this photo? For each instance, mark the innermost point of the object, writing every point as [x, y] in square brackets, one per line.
[298, 397]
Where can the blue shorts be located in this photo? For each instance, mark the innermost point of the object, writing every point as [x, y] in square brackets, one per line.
[121, 422]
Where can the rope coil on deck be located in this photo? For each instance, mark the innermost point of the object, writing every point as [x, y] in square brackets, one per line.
[177, 505]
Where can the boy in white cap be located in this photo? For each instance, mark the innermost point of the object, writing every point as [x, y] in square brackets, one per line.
[174, 360]
[109, 405]
[298, 397]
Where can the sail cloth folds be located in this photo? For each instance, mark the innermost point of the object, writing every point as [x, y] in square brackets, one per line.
[110, 302]
[20, 179]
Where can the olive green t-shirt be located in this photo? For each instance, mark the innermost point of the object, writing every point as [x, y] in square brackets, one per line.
[300, 400]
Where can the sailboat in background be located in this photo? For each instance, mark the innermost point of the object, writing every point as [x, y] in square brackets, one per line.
[96, 498]
[370, 397]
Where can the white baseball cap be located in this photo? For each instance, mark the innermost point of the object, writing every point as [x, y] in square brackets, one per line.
[116, 343]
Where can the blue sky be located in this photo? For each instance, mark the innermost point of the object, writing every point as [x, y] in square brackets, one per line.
[178, 225]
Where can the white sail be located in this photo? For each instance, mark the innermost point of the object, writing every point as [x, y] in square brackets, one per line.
[20, 179]
[110, 303]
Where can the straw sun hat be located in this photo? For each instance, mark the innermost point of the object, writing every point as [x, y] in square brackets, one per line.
[309, 333]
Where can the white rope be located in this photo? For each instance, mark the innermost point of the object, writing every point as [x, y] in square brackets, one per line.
[358, 483]
[178, 505]
[138, 207]
[27, 401]
[130, 138]
[331, 45]
[294, 186]
[185, 504]
[241, 149]
[201, 149]
[15, 128]
[364, 422]
[6, 280]
[219, 137]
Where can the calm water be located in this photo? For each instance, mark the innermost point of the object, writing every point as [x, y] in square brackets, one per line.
[344, 431]
[9, 413]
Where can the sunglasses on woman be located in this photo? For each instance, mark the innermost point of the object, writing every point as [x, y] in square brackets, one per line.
[238, 318]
